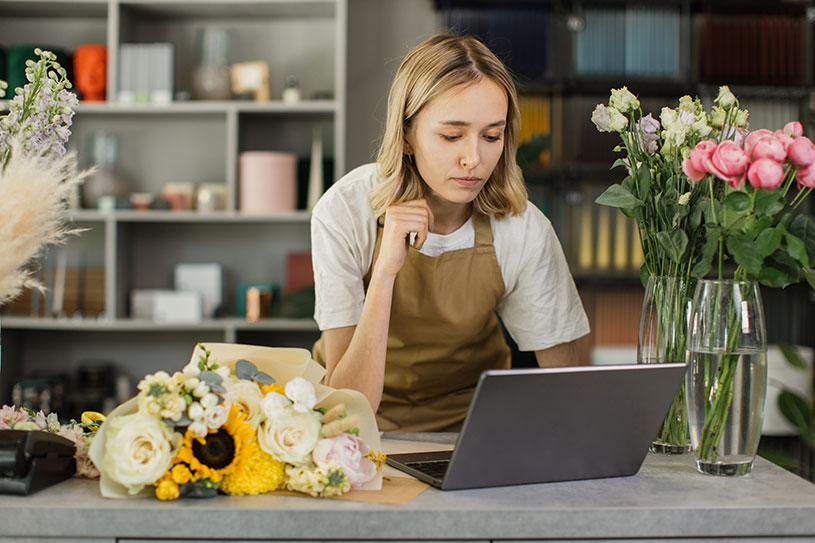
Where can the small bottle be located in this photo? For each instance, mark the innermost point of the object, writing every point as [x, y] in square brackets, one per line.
[291, 93]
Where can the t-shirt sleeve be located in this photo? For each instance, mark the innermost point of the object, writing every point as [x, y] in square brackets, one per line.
[339, 265]
[541, 306]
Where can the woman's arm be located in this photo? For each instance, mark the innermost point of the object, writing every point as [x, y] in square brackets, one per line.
[564, 354]
[355, 355]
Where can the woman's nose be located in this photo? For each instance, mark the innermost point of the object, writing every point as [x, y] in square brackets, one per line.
[469, 156]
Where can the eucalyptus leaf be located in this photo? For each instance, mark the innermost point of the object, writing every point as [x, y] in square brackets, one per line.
[674, 243]
[617, 196]
[218, 388]
[244, 369]
[796, 249]
[738, 201]
[803, 226]
[769, 203]
[745, 253]
[769, 240]
[792, 356]
[795, 409]
[264, 378]
[210, 378]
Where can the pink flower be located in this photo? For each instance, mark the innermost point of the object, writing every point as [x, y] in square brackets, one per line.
[785, 139]
[10, 415]
[806, 177]
[802, 152]
[765, 173]
[769, 147]
[349, 452]
[728, 162]
[694, 165]
[794, 129]
[753, 137]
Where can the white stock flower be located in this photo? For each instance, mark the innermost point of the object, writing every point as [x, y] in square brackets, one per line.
[290, 436]
[247, 396]
[215, 417]
[301, 392]
[274, 403]
[138, 450]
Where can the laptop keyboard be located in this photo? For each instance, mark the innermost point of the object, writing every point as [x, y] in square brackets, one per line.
[435, 468]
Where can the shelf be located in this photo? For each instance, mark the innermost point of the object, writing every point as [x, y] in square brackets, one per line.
[209, 107]
[90, 215]
[243, 9]
[10, 322]
[55, 8]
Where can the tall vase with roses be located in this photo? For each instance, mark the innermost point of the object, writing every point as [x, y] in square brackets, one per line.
[686, 188]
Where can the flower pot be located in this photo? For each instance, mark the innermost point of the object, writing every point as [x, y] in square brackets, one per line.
[661, 339]
[726, 382]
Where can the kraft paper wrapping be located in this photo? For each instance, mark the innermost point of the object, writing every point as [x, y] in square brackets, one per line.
[284, 364]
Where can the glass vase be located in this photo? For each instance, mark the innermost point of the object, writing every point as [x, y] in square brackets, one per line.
[727, 375]
[661, 339]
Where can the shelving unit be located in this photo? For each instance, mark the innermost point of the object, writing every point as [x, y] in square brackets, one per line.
[184, 141]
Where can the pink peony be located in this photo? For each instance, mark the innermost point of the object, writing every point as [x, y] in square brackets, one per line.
[806, 177]
[753, 137]
[694, 165]
[765, 173]
[690, 171]
[794, 129]
[769, 147]
[10, 415]
[728, 162]
[802, 152]
[784, 138]
[349, 452]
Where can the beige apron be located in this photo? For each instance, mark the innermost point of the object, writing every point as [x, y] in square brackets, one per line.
[443, 333]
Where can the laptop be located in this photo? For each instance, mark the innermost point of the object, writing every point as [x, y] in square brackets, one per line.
[552, 424]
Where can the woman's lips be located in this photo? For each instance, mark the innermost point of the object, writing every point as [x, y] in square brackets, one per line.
[467, 181]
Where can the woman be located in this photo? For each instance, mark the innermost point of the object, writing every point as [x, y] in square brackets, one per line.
[414, 255]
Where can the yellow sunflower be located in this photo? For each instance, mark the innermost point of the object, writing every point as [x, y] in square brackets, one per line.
[220, 451]
[258, 473]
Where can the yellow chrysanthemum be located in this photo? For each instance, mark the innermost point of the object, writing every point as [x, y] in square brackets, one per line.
[257, 473]
[274, 387]
[377, 457]
[167, 490]
[180, 474]
[220, 452]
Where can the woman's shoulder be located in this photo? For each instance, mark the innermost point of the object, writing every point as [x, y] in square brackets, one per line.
[528, 226]
[349, 195]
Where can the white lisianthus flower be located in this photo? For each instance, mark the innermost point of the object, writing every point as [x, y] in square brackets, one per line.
[623, 100]
[174, 407]
[725, 98]
[301, 392]
[195, 411]
[668, 117]
[209, 401]
[600, 118]
[290, 436]
[138, 450]
[215, 417]
[201, 390]
[273, 403]
[198, 428]
[684, 199]
[247, 396]
[741, 118]
[617, 122]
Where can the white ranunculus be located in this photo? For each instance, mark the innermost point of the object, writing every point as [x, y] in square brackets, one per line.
[273, 404]
[138, 450]
[290, 436]
[301, 392]
[247, 396]
[215, 417]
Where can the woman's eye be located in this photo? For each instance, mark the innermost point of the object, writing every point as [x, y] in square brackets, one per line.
[446, 137]
[491, 138]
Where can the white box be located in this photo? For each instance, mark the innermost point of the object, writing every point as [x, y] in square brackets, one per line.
[206, 279]
[141, 303]
[177, 306]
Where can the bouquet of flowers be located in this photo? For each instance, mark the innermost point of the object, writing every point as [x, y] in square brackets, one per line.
[706, 192]
[81, 433]
[239, 419]
[37, 178]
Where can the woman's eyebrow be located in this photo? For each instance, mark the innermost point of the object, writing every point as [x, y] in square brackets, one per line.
[465, 123]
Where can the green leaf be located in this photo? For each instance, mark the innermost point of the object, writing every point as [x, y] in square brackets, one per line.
[760, 226]
[619, 162]
[769, 240]
[738, 201]
[643, 182]
[792, 356]
[617, 196]
[674, 243]
[779, 270]
[745, 253]
[769, 203]
[809, 273]
[667, 209]
[797, 249]
[245, 369]
[712, 205]
[803, 227]
[795, 409]
[705, 262]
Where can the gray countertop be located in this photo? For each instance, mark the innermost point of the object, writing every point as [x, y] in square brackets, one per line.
[667, 498]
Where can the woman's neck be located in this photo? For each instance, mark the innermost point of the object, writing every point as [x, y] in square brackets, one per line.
[448, 216]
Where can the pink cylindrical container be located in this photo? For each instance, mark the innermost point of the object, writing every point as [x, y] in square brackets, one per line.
[268, 182]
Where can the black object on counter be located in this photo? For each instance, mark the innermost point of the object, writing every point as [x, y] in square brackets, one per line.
[31, 460]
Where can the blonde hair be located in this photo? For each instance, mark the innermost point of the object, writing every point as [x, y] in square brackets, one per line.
[433, 67]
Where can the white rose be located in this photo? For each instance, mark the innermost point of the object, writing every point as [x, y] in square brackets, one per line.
[195, 411]
[209, 401]
[139, 449]
[215, 417]
[247, 396]
[301, 392]
[290, 436]
[273, 404]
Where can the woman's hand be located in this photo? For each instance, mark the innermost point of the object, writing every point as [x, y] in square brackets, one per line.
[400, 220]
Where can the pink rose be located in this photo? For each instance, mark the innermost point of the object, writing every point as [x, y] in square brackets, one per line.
[349, 452]
[785, 139]
[802, 152]
[794, 129]
[806, 177]
[694, 165]
[753, 137]
[765, 173]
[728, 162]
[769, 147]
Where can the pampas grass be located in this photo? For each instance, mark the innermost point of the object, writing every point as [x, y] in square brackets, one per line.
[34, 197]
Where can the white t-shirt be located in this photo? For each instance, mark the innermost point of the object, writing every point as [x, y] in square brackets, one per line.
[540, 307]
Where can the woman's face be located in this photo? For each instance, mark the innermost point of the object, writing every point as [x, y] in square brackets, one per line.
[458, 138]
